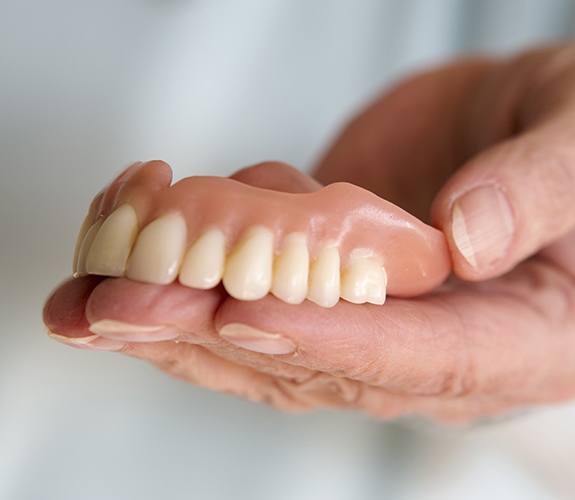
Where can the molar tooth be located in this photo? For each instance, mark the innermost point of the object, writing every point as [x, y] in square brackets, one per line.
[364, 280]
[112, 245]
[158, 251]
[85, 248]
[324, 277]
[79, 240]
[291, 270]
[203, 265]
[248, 272]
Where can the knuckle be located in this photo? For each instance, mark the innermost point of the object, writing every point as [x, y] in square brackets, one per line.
[551, 177]
[324, 391]
[455, 382]
[180, 364]
[282, 395]
[371, 371]
[540, 180]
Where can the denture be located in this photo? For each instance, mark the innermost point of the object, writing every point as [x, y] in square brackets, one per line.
[340, 242]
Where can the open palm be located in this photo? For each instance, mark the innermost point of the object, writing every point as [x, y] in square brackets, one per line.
[498, 336]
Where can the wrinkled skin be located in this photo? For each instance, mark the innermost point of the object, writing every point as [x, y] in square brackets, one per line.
[492, 340]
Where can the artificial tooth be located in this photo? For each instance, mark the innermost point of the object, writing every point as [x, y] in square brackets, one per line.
[85, 247]
[112, 245]
[324, 277]
[248, 270]
[364, 280]
[203, 264]
[80, 238]
[158, 251]
[291, 270]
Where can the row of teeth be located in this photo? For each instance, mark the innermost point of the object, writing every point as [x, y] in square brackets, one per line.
[251, 270]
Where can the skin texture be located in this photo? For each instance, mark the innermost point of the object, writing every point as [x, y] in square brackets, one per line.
[414, 254]
[497, 338]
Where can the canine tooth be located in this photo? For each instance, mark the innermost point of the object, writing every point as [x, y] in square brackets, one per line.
[79, 239]
[112, 245]
[159, 250]
[364, 280]
[203, 264]
[324, 277]
[85, 247]
[291, 270]
[248, 270]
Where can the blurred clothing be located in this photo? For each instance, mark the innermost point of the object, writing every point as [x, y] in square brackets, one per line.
[87, 87]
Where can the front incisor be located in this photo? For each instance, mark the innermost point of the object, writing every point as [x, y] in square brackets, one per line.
[324, 277]
[159, 250]
[112, 245]
[203, 264]
[248, 270]
[79, 240]
[291, 270]
[364, 280]
[85, 247]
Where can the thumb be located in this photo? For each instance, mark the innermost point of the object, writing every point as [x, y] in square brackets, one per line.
[509, 202]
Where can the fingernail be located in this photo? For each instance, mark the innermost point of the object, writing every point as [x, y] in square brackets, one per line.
[134, 333]
[482, 226]
[89, 342]
[71, 340]
[256, 340]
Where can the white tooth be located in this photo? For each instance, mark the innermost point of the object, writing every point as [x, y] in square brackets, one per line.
[203, 265]
[113, 243]
[291, 270]
[248, 272]
[85, 248]
[81, 235]
[159, 250]
[324, 277]
[364, 280]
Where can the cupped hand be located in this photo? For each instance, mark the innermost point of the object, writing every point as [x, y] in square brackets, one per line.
[482, 149]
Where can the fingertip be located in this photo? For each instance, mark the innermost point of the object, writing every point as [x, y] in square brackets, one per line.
[64, 311]
[277, 176]
[507, 203]
[477, 218]
[140, 312]
[479, 226]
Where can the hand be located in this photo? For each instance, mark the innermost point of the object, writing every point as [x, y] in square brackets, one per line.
[483, 150]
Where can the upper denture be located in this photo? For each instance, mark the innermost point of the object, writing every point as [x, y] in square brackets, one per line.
[339, 241]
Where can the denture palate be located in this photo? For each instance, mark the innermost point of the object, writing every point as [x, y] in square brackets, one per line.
[339, 242]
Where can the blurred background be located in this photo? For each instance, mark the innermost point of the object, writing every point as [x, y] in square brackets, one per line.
[87, 87]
